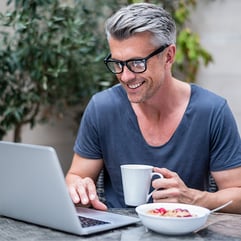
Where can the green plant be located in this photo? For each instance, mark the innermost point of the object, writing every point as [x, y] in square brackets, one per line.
[51, 56]
[48, 57]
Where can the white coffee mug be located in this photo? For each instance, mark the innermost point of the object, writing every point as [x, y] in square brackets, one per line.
[136, 180]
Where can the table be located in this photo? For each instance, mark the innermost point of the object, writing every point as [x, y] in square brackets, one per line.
[220, 227]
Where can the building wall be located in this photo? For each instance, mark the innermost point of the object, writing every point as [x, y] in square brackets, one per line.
[218, 23]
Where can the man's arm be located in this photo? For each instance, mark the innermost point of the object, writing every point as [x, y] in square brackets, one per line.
[173, 189]
[229, 185]
[81, 179]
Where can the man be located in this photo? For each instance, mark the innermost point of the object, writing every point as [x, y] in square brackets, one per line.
[152, 118]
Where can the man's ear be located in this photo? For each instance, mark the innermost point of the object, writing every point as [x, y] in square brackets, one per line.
[170, 54]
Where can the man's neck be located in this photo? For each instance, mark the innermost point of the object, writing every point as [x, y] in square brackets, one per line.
[166, 101]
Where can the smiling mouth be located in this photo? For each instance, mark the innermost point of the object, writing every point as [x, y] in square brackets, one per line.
[135, 86]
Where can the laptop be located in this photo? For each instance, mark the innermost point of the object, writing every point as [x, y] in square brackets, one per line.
[33, 189]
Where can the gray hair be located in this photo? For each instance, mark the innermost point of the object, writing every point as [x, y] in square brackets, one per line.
[142, 17]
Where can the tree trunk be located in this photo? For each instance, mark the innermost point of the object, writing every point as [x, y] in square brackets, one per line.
[18, 133]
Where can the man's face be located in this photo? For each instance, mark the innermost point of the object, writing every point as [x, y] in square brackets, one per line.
[140, 87]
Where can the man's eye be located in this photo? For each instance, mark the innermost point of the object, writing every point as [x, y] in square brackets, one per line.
[117, 65]
[138, 64]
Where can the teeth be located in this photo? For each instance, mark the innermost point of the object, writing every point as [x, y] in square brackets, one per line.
[134, 86]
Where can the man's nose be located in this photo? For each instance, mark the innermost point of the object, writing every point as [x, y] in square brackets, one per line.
[126, 75]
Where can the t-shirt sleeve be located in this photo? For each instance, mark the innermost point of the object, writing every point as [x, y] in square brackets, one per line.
[225, 141]
[87, 143]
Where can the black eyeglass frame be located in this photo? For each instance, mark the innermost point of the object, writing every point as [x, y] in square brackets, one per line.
[125, 63]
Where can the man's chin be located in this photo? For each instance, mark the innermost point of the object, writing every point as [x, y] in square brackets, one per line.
[135, 100]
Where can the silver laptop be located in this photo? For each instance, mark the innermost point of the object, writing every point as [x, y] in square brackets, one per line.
[33, 189]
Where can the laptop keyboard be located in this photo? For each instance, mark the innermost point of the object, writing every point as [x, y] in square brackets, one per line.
[90, 222]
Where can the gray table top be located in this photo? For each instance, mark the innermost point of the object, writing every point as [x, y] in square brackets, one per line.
[219, 227]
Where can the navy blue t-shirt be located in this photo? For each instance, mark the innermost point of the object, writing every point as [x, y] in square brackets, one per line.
[206, 140]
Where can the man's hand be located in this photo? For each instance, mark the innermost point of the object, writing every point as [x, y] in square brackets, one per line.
[83, 190]
[171, 188]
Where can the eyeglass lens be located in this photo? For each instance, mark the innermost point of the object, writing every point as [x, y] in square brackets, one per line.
[134, 65]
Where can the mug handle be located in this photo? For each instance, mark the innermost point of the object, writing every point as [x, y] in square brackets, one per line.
[150, 194]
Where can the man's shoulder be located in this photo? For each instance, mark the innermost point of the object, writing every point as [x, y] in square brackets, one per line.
[202, 96]
[111, 96]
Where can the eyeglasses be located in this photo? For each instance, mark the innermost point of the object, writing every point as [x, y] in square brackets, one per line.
[135, 65]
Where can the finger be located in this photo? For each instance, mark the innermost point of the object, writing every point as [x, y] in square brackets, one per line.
[83, 195]
[74, 195]
[168, 195]
[97, 204]
[160, 194]
[165, 172]
[164, 183]
[93, 197]
[90, 189]
[165, 200]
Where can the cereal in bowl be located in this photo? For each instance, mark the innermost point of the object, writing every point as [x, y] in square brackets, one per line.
[176, 213]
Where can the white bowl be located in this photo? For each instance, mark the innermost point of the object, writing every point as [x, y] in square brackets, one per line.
[172, 225]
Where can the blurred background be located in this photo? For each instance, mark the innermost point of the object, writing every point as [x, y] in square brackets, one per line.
[217, 24]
